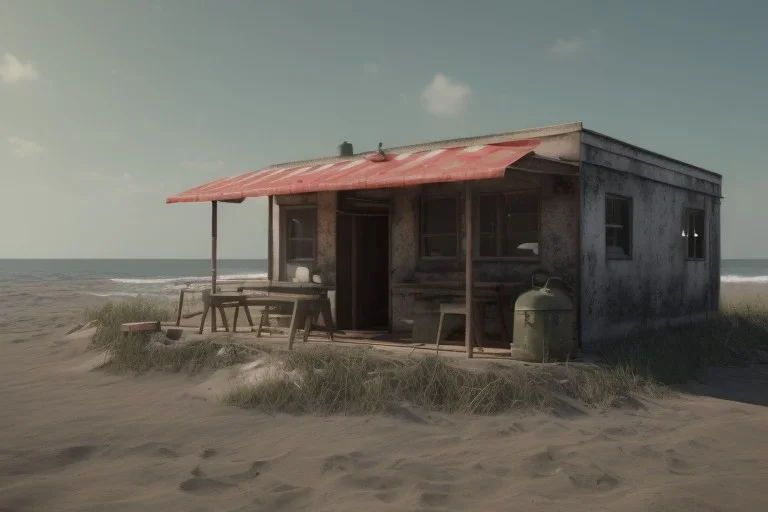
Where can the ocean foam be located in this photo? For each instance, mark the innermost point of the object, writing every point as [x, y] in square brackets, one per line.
[744, 279]
[112, 294]
[189, 279]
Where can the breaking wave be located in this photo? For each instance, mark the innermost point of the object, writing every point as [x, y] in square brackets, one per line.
[731, 278]
[190, 279]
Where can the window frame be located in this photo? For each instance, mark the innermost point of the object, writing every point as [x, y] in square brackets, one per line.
[476, 225]
[286, 209]
[630, 228]
[686, 218]
[423, 235]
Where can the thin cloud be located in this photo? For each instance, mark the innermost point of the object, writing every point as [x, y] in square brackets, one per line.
[99, 177]
[569, 47]
[13, 71]
[445, 97]
[23, 148]
[370, 68]
[206, 165]
[113, 185]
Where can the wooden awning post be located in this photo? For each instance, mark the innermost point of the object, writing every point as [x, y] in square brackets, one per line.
[270, 233]
[214, 236]
[468, 259]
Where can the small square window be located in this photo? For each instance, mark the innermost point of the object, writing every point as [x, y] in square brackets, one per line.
[508, 225]
[618, 227]
[694, 234]
[300, 234]
[439, 228]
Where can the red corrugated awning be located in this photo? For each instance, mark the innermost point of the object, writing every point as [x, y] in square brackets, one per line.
[399, 170]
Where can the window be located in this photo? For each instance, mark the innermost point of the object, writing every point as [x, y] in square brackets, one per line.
[300, 233]
[439, 227]
[508, 225]
[618, 227]
[693, 233]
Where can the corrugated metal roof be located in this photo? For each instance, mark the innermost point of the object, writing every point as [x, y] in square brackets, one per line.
[400, 169]
[496, 138]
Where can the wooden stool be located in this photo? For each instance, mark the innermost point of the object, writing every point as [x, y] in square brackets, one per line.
[478, 319]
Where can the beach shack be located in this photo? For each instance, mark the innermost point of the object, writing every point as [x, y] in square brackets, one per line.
[398, 233]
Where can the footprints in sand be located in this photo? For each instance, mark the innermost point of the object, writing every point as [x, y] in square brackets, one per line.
[676, 463]
[152, 449]
[562, 463]
[27, 463]
[283, 497]
[207, 453]
[405, 482]
[203, 483]
[75, 454]
[346, 463]
[271, 496]
[514, 428]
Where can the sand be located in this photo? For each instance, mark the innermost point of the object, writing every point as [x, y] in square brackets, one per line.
[72, 439]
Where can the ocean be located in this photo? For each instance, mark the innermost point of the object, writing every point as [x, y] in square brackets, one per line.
[124, 278]
[163, 277]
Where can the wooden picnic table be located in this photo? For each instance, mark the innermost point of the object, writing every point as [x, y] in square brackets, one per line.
[286, 287]
[255, 286]
[305, 307]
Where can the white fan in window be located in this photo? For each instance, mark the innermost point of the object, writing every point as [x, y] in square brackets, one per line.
[530, 246]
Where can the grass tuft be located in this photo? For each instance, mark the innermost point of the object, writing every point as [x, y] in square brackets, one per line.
[140, 353]
[339, 380]
[329, 380]
[676, 356]
[113, 314]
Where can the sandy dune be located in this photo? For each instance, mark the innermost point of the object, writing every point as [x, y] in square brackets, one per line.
[72, 439]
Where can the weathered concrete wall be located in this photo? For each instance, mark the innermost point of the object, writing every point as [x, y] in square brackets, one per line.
[658, 286]
[558, 246]
[325, 257]
[326, 236]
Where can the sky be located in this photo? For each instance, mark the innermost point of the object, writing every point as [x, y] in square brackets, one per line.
[108, 107]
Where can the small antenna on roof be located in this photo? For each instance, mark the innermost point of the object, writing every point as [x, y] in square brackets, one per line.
[378, 156]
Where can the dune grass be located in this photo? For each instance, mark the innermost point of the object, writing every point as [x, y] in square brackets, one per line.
[113, 314]
[340, 380]
[331, 380]
[676, 356]
[643, 364]
[139, 353]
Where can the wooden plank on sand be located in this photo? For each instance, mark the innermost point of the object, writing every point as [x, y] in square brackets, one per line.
[141, 327]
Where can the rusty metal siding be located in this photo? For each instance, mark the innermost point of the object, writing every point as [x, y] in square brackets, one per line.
[658, 286]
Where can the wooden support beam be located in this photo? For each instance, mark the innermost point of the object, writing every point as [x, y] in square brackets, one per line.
[214, 258]
[468, 261]
[270, 233]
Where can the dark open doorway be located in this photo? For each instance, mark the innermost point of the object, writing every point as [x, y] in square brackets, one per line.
[362, 267]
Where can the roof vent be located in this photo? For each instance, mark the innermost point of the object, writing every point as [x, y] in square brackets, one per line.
[345, 149]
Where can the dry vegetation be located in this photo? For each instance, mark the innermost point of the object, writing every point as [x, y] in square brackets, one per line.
[140, 353]
[333, 380]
